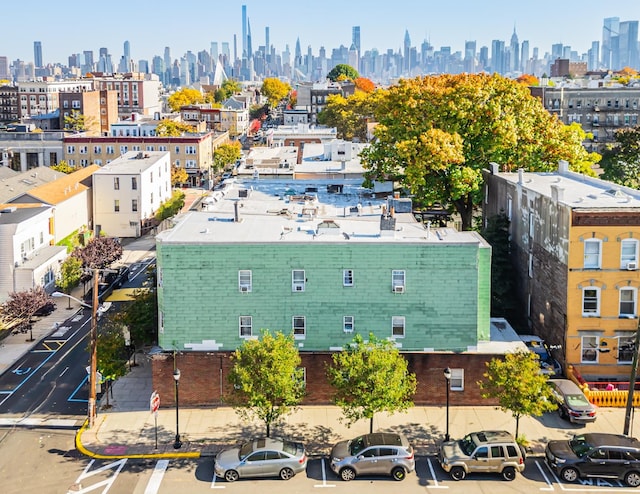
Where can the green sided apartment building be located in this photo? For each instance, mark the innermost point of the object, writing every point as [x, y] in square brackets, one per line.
[323, 271]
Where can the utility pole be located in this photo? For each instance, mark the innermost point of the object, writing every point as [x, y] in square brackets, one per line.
[632, 382]
[93, 363]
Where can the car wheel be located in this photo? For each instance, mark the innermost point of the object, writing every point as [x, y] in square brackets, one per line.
[231, 476]
[632, 479]
[509, 473]
[286, 473]
[458, 473]
[398, 473]
[569, 474]
[347, 474]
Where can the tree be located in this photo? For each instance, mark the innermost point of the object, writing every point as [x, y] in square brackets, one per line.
[528, 80]
[621, 160]
[111, 353]
[341, 72]
[274, 90]
[22, 306]
[266, 378]
[349, 115]
[75, 121]
[63, 167]
[69, 275]
[494, 119]
[226, 154]
[369, 377]
[184, 97]
[364, 84]
[170, 207]
[518, 385]
[503, 282]
[99, 253]
[228, 88]
[169, 128]
[178, 176]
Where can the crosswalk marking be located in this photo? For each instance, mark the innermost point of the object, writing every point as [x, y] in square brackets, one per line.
[116, 466]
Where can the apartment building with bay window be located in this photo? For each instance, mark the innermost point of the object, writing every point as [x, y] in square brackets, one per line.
[575, 242]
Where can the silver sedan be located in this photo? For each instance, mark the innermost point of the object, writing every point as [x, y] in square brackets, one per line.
[262, 457]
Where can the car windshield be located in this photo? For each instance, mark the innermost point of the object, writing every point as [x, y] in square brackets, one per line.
[245, 450]
[577, 400]
[467, 445]
[356, 445]
[579, 446]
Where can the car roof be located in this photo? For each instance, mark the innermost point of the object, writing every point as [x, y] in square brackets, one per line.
[566, 386]
[492, 436]
[385, 438]
[600, 439]
[267, 443]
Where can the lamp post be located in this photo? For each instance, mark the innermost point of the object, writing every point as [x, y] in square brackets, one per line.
[632, 382]
[447, 378]
[93, 359]
[176, 377]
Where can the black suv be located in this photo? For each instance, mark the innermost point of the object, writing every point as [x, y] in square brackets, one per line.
[611, 456]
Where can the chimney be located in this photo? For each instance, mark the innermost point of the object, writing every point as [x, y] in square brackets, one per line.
[494, 168]
[563, 166]
[557, 193]
[235, 212]
[520, 176]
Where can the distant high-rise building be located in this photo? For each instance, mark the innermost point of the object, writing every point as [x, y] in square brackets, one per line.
[610, 31]
[244, 33]
[470, 57]
[628, 45]
[483, 58]
[407, 49]
[214, 52]
[514, 52]
[249, 52]
[4, 68]
[37, 54]
[498, 64]
[556, 51]
[524, 57]
[355, 37]
[593, 62]
[267, 45]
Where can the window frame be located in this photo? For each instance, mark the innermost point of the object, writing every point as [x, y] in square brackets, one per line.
[298, 280]
[116, 205]
[245, 280]
[456, 382]
[398, 280]
[591, 313]
[628, 349]
[347, 277]
[633, 302]
[395, 324]
[626, 258]
[134, 205]
[348, 324]
[299, 327]
[245, 322]
[589, 348]
[587, 255]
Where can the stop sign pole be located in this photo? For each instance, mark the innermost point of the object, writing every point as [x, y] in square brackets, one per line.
[154, 405]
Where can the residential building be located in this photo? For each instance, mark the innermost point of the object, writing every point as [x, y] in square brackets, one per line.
[99, 108]
[39, 97]
[574, 242]
[323, 264]
[8, 104]
[136, 92]
[23, 151]
[234, 121]
[313, 97]
[128, 191]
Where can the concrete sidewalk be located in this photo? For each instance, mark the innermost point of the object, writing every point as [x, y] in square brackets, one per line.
[127, 429]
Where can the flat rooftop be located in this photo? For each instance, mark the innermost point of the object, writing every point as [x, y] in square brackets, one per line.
[263, 211]
[132, 162]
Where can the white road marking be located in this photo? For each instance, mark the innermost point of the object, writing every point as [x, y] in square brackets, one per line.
[546, 479]
[213, 483]
[435, 479]
[65, 370]
[324, 477]
[153, 486]
[117, 465]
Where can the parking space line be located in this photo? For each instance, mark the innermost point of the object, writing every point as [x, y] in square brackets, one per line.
[324, 476]
[435, 479]
[546, 479]
[213, 482]
[588, 486]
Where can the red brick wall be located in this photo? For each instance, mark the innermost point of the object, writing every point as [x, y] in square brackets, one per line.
[203, 375]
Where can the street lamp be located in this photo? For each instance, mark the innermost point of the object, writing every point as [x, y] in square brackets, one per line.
[93, 360]
[177, 443]
[447, 377]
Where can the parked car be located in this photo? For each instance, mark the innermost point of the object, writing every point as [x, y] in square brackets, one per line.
[484, 451]
[261, 457]
[548, 365]
[117, 277]
[573, 405]
[600, 455]
[379, 453]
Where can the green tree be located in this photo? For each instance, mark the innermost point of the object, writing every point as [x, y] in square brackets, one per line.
[349, 115]
[184, 97]
[226, 154]
[494, 119]
[518, 385]
[178, 176]
[227, 89]
[369, 377]
[621, 160]
[266, 378]
[274, 90]
[69, 275]
[341, 72]
[503, 282]
[75, 121]
[170, 207]
[111, 353]
[63, 167]
[169, 128]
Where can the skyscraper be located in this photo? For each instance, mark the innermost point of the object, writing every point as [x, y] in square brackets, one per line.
[407, 49]
[355, 37]
[470, 57]
[628, 45]
[514, 52]
[610, 31]
[244, 32]
[524, 57]
[37, 53]
[497, 56]
[267, 45]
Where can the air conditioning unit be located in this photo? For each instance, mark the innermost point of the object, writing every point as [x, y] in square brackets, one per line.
[244, 289]
[299, 288]
[398, 289]
[632, 265]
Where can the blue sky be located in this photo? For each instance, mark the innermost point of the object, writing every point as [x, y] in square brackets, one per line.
[194, 24]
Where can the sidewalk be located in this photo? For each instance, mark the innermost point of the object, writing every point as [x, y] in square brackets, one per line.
[128, 429]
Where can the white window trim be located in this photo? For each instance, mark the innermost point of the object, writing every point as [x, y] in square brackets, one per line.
[347, 277]
[596, 313]
[298, 285]
[399, 319]
[598, 242]
[244, 285]
[595, 349]
[398, 280]
[348, 324]
[304, 327]
[630, 350]
[625, 259]
[241, 326]
[456, 383]
[634, 291]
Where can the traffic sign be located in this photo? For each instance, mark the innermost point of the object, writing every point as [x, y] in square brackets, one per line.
[154, 402]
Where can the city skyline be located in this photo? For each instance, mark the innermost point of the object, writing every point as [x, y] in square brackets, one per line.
[328, 24]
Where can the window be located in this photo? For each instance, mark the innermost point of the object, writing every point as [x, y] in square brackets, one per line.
[592, 253]
[456, 383]
[116, 206]
[625, 349]
[177, 149]
[123, 149]
[245, 326]
[347, 277]
[97, 149]
[629, 254]
[591, 301]
[244, 280]
[397, 326]
[116, 183]
[397, 281]
[71, 149]
[299, 327]
[134, 183]
[297, 280]
[590, 349]
[348, 324]
[628, 302]
[110, 150]
[134, 205]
